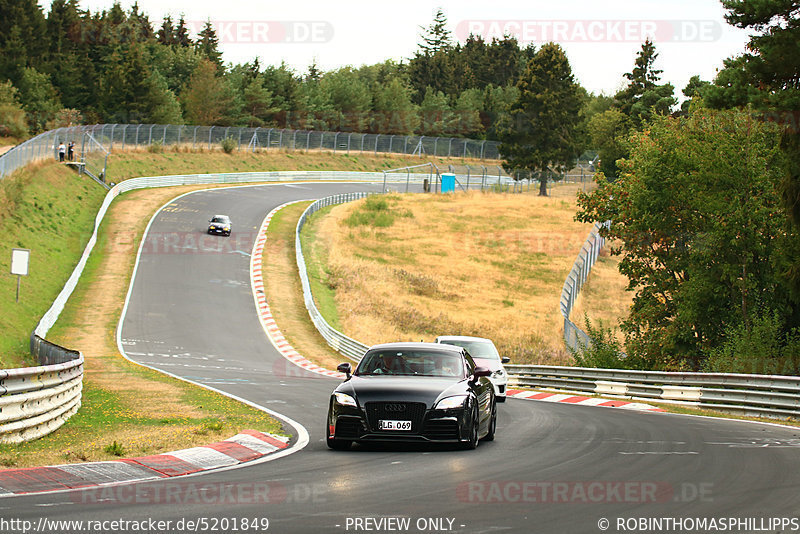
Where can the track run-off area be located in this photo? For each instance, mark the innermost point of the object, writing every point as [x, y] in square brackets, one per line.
[553, 468]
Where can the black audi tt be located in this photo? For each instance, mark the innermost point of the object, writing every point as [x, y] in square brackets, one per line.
[425, 392]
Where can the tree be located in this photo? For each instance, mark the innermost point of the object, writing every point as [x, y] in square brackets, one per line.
[693, 91]
[12, 117]
[608, 132]
[206, 98]
[181, 36]
[435, 37]
[257, 103]
[540, 134]
[166, 34]
[350, 97]
[162, 104]
[643, 77]
[435, 115]
[395, 113]
[467, 117]
[772, 64]
[694, 213]
[38, 98]
[207, 45]
[767, 77]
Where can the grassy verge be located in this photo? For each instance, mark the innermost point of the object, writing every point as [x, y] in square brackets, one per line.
[49, 210]
[320, 278]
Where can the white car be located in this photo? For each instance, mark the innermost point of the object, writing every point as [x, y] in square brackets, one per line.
[485, 354]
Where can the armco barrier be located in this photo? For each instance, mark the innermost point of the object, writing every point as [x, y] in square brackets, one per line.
[34, 401]
[756, 395]
[339, 342]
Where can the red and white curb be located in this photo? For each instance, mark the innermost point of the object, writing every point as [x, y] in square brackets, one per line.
[245, 447]
[265, 314]
[581, 400]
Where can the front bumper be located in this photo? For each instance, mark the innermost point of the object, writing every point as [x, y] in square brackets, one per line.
[428, 425]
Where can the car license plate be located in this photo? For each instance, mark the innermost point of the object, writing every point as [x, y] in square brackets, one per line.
[385, 424]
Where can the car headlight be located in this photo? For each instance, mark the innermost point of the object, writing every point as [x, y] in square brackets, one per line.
[498, 374]
[344, 399]
[451, 402]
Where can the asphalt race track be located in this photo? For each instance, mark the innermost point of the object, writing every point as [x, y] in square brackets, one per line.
[553, 468]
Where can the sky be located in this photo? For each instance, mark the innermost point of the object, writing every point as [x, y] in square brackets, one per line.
[601, 38]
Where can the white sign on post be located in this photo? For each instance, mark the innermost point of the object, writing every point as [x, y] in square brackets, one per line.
[19, 264]
[19, 261]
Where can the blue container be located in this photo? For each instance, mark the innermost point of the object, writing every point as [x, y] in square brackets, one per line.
[448, 183]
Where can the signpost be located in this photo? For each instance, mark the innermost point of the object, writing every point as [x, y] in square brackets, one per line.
[19, 264]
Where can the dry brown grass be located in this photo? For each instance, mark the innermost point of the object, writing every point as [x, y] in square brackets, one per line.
[490, 265]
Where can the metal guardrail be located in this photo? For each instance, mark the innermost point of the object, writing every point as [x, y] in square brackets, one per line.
[121, 136]
[339, 342]
[574, 337]
[35, 401]
[746, 394]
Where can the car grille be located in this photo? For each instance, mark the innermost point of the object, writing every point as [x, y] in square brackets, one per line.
[398, 411]
[348, 428]
[441, 430]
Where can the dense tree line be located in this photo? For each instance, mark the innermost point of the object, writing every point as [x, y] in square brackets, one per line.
[705, 208]
[115, 66]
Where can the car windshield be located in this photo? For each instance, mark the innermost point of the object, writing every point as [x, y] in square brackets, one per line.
[411, 363]
[219, 219]
[483, 350]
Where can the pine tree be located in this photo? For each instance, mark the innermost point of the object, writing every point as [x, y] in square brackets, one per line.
[643, 77]
[181, 36]
[541, 133]
[166, 35]
[435, 37]
[207, 45]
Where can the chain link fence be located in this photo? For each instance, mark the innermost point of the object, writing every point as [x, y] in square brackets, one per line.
[121, 136]
[574, 337]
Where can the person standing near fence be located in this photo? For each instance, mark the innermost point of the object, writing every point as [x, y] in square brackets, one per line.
[71, 150]
[62, 150]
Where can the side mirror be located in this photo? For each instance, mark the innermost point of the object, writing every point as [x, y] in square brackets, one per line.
[505, 359]
[345, 368]
[481, 371]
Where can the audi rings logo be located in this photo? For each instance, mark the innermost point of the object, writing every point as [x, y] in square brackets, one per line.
[395, 407]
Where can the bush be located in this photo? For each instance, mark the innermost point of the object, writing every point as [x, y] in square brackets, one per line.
[13, 120]
[229, 144]
[156, 147]
[604, 351]
[761, 348]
